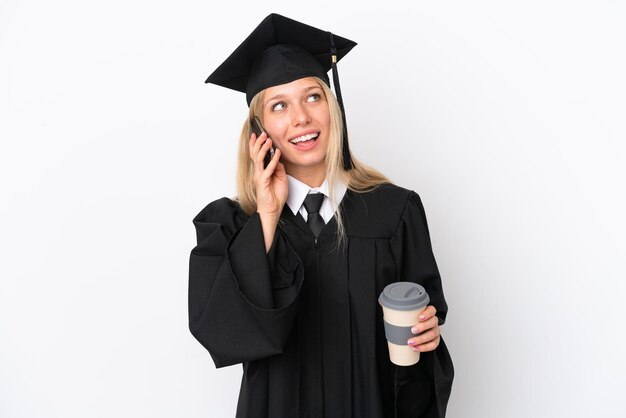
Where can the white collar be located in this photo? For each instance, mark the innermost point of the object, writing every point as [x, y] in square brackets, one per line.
[298, 191]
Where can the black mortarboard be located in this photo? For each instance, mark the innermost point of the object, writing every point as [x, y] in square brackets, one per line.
[281, 50]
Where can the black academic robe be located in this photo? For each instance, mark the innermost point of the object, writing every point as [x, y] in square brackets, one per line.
[304, 319]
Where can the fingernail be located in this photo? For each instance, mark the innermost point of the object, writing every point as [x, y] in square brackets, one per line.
[422, 317]
[414, 330]
[410, 342]
[416, 348]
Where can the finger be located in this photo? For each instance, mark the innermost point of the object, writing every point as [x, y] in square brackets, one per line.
[251, 146]
[256, 153]
[280, 168]
[255, 144]
[424, 337]
[429, 312]
[252, 141]
[430, 346]
[263, 150]
[425, 325]
[273, 162]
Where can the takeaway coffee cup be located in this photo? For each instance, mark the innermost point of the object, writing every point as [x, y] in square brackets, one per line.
[402, 304]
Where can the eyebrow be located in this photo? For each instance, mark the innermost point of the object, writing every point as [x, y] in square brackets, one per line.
[278, 96]
[282, 95]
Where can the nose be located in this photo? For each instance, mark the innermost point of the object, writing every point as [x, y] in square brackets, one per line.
[300, 116]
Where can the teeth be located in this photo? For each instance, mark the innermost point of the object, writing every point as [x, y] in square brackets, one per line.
[303, 138]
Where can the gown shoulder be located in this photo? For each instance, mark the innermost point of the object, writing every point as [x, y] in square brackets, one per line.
[378, 213]
[225, 211]
[217, 222]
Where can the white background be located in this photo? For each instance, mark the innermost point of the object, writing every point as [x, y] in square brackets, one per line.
[508, 118]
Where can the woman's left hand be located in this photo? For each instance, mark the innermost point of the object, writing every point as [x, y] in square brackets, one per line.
[428, 328]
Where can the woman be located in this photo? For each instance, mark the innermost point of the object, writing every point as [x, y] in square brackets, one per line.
[285, 278]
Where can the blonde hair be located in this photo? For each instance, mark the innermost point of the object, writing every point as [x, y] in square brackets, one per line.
[360, 179]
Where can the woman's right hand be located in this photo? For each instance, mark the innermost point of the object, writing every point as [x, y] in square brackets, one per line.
[272, 187]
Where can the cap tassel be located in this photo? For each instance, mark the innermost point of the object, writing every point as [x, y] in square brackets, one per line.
[347, 158]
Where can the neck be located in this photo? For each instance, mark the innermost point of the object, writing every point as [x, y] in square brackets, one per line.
[308, 176]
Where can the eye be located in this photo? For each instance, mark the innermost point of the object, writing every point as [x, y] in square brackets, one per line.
[278, 106]
[313, 98]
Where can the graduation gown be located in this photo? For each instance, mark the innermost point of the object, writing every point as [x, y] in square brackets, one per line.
[304, 319]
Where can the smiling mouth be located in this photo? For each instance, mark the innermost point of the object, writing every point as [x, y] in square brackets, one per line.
[303, 138]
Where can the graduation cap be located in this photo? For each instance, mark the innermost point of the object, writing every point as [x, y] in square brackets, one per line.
[281, 50]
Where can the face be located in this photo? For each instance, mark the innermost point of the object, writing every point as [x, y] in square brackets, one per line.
[296, 117]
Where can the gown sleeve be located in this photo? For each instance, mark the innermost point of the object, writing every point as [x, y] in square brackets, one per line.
[242, 301]
[415, 262]
[414, 255]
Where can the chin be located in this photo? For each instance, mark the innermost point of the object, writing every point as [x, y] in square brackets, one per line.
[300, 163]
[308, 162]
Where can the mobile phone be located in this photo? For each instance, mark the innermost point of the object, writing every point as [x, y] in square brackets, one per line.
[258, 129]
